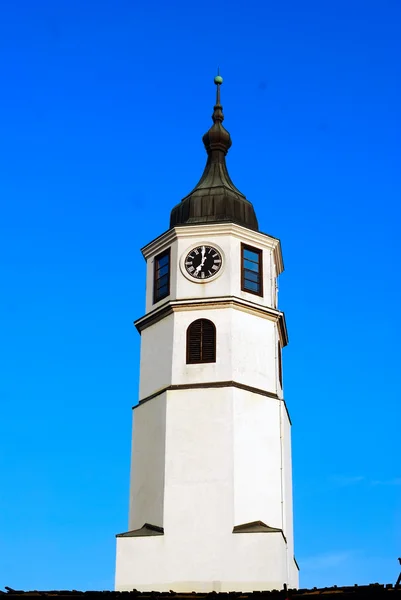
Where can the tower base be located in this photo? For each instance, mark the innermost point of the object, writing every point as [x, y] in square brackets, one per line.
[242, 562]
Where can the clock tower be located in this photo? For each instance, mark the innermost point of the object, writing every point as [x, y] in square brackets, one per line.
[211, 484]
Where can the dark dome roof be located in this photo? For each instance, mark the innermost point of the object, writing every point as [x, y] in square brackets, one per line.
[215, 199]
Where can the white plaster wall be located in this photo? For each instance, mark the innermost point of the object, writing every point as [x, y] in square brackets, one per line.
[220, 467]
[219, 286]
[156, 357]
[148, 464]
[293, 577]
[199, 465]
[253, 350]
[228, 283]
[287, 493]
[287, 476]
[257, 459]
[239, 562]
[260, 561]
[245, 349]
[278, 385]
[221, 370]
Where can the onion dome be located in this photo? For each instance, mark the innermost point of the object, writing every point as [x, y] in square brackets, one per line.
[215, 199]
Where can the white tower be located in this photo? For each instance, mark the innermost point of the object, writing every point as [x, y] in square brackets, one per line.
[211, 485]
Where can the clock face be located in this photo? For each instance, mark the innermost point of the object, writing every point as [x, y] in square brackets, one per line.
[203, 262]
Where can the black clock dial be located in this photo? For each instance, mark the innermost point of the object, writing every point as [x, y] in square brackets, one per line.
[203, 262]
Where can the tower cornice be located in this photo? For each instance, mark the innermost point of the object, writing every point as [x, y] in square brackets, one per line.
[264, 240]
[194, 304]
[214, 385]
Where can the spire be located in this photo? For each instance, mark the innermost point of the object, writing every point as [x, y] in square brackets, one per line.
[217, 138]
[215, 198]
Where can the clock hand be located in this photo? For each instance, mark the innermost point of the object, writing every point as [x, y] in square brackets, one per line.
[199, 267]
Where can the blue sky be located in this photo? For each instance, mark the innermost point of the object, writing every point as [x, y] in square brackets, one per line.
[102, 110]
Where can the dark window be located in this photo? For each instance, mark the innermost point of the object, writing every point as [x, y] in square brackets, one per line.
[201, 342]
[280, 364]
[251, 270]
[161, 276]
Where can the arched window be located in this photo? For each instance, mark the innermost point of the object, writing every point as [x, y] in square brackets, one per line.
[201, 342]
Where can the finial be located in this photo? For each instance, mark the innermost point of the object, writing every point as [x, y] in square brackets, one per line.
[218, 113]
[218, 80]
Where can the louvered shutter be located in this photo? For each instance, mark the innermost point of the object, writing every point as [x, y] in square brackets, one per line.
[194, 342]
[201, 342]
[208, 341]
